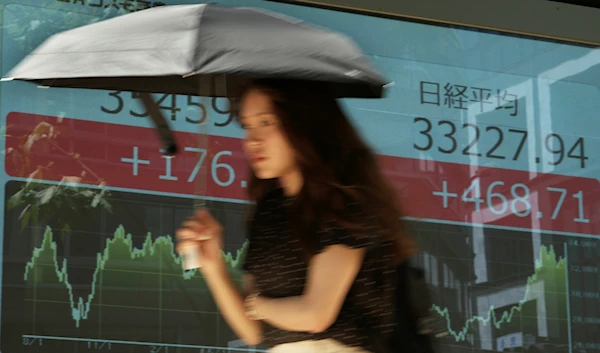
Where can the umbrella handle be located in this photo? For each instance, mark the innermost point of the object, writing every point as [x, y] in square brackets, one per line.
[160, 124]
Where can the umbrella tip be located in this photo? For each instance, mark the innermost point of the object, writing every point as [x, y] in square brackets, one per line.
[3, 79]
[170, 150]
[389, 84]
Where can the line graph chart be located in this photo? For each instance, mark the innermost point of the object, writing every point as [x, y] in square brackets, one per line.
[550, 270]
[151, 260]
[497, 289]
[130, 282]
[116, 284]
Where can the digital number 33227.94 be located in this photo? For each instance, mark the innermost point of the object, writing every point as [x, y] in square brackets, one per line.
[450, 141]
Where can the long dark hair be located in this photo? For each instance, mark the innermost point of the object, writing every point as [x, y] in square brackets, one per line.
[337, 166]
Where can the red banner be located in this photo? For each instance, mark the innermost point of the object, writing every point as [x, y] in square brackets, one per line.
[71, 150]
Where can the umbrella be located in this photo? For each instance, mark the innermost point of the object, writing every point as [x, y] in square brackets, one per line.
[202, 49]
[167, 48]
[205, 49]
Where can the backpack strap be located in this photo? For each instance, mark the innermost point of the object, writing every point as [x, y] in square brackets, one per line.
[417, 326]
[421, 301]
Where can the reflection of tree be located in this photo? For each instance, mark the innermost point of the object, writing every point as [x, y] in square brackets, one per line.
[25, 29]
[44, 201]
[28, 29]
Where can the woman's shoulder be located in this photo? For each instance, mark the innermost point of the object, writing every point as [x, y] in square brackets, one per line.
[272, 200]
[354, 225]
[270, 204]
[357, 214]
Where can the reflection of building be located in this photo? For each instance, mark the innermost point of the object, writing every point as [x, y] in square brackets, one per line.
[520, 291]
[497, 289]
[447, 257]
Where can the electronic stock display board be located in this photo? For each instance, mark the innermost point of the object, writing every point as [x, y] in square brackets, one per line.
[491, 141]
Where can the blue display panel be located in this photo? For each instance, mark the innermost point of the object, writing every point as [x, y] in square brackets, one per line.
[491, 142]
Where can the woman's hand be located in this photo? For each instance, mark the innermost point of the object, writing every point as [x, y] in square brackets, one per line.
[204, 234]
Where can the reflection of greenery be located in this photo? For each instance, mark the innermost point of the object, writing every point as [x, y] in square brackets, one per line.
[61, 203]
[27, 29]
[28, 26]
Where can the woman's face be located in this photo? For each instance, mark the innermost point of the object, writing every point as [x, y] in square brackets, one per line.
[268, 150]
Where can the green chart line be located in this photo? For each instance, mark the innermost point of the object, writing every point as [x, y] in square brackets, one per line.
[121, 248]
[548, 269]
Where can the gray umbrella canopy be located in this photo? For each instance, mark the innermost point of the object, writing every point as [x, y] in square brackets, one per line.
[205, 49]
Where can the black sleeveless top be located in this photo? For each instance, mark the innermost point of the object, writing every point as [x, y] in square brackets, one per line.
[275, 258]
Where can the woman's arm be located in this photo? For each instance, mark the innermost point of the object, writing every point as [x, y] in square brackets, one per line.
[331, 273]
[231, 303]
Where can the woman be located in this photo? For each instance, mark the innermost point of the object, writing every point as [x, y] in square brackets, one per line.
[325, 235]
